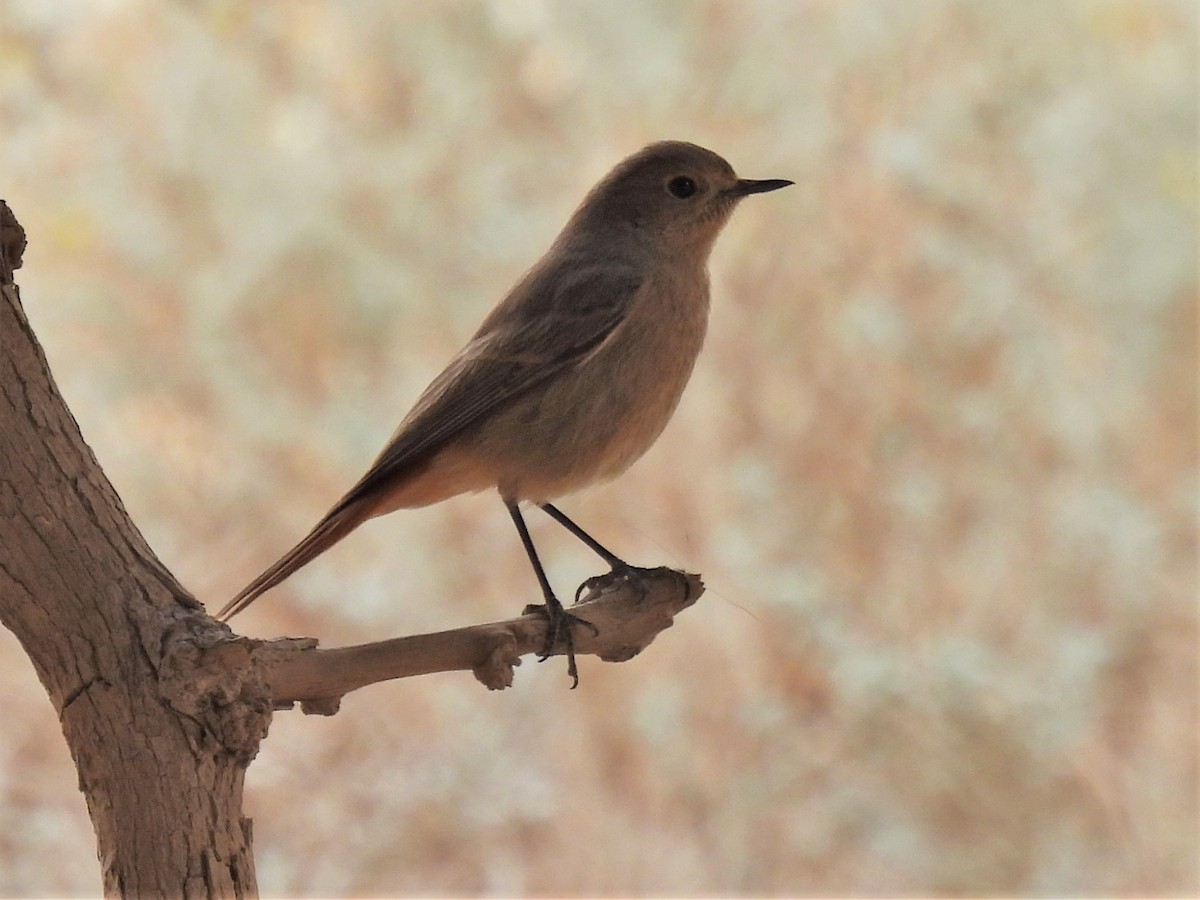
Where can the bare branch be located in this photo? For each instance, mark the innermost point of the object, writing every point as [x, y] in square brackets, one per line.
[626, 611]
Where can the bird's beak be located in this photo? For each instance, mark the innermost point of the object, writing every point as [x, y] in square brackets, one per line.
[744, 186]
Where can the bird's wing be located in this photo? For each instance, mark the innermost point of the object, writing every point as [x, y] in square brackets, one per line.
[505, 360]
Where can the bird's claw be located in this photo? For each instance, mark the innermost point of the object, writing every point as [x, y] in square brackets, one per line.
[560, 624]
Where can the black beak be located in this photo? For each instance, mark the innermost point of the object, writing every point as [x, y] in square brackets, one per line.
[745, 186]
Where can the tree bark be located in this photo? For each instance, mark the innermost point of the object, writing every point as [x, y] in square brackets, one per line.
[158, 705]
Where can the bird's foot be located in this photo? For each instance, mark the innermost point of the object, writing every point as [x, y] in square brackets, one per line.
[623, 571]
[560, 625]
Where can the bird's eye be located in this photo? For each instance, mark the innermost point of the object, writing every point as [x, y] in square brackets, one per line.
[681, 186]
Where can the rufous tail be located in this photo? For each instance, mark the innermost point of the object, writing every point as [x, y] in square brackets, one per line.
[336, 525]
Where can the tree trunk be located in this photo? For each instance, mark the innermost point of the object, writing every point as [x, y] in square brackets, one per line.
[161, 707]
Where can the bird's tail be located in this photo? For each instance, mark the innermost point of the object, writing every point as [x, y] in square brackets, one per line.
[340, 521]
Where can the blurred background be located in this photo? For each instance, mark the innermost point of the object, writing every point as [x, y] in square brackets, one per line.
[937, 464]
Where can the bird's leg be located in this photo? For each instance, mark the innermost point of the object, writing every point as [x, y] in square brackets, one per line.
[558, 620]
[631, 573]
[599, 549]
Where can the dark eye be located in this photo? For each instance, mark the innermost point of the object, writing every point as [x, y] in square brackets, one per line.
[681, 186]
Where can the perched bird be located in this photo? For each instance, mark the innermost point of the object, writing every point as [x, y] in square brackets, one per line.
[573, 375]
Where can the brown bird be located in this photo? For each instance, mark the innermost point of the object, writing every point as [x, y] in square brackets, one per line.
[573, 375]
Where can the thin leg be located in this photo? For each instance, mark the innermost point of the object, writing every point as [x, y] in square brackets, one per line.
[556, 616]
[603, 552]
[631, 574]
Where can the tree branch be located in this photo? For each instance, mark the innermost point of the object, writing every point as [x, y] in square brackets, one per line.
[625, 611]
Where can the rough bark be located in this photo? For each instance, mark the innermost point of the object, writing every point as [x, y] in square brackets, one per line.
[160, 714]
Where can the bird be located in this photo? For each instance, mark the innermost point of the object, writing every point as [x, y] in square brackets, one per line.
[572, 376]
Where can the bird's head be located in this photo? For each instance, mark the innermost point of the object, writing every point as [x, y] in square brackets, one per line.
[672, 195]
